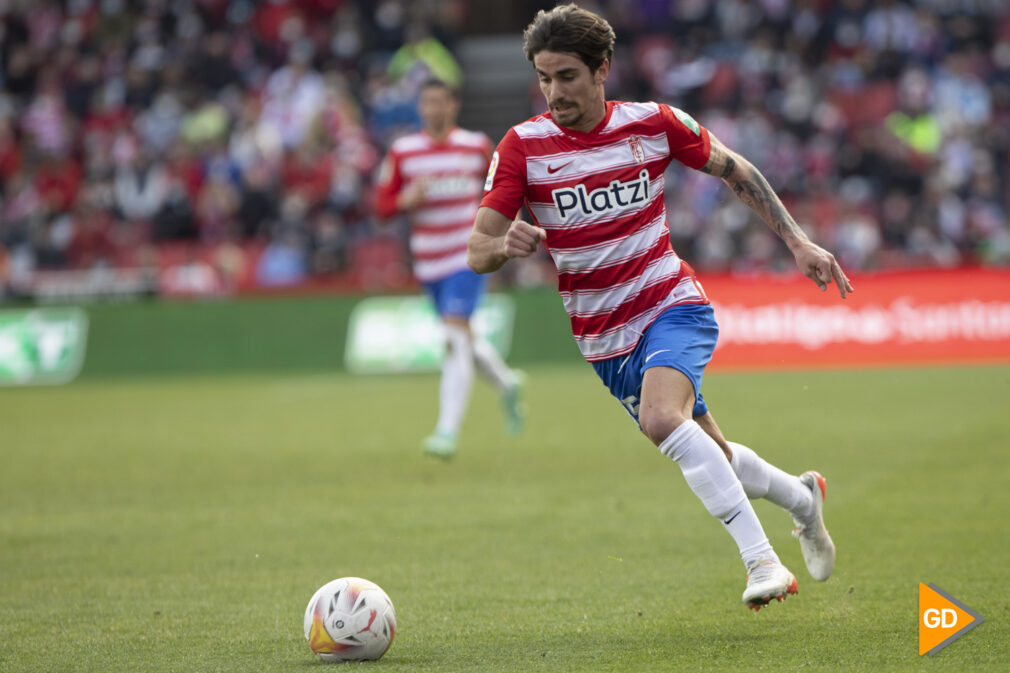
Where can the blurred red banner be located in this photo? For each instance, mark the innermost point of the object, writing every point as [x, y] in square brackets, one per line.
[956, 316]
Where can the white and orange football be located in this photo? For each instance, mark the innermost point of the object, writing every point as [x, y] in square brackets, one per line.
[350, 619]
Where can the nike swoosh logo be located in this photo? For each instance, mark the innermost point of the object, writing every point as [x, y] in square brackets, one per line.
[730, 520]
[649, 356]
[552, 169]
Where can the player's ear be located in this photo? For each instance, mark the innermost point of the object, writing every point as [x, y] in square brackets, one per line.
[600, 76]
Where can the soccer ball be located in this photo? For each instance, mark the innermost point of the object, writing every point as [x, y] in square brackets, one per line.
[350, 619]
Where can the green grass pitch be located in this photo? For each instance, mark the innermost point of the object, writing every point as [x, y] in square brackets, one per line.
[183, 524]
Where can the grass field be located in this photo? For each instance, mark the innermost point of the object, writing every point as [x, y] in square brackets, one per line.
[183, 524]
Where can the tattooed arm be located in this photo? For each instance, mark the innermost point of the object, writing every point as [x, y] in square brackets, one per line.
[753, 189]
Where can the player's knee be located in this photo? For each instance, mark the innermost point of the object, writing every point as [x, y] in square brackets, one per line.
[658, 423]
[457, 337]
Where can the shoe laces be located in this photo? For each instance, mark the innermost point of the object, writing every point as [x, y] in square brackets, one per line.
[762, 570]
[807, 531]
[805, 528]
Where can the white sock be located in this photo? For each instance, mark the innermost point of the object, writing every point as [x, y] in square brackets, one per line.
[712, 479]
[457, 378]
[761, 479]
[491, 366]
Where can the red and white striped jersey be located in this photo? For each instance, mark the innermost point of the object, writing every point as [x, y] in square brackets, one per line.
[453, 170]
[599, 196]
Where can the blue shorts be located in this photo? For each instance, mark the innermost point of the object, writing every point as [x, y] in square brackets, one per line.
[457, 294]
[682, 337]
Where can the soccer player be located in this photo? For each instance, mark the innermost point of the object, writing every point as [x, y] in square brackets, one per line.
[435, 177]
[590, 172]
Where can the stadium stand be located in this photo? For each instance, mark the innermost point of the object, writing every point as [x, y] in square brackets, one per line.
[215, 145]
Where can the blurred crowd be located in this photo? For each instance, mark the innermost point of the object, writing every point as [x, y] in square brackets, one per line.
[223, 134]
[884, 125]
[240, 139]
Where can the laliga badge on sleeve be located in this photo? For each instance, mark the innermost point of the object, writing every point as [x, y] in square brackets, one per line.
[489, 181]
[942, 619]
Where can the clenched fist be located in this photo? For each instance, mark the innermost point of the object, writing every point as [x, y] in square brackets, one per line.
[522, 239]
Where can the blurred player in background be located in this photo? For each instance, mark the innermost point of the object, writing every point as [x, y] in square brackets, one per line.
[591, 173]
[435, 176]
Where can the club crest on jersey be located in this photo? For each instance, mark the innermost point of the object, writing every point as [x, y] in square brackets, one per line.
[635, 143]
[615, 196]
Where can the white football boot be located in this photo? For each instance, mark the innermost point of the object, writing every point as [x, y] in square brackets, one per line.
[815, 543]
[767, 578]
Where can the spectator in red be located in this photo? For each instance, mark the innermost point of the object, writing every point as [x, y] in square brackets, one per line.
[10, 152]
[92, 243]
[272, 19]
[308, 171]
[58, 180]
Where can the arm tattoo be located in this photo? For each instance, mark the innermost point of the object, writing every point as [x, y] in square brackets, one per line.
[753, 189]
[727, 168]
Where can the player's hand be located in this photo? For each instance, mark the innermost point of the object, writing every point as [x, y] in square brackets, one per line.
[820, 266]
[522, 239]
[411, 197]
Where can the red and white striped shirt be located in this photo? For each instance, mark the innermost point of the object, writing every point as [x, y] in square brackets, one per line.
[453, 170]
[599, 196]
